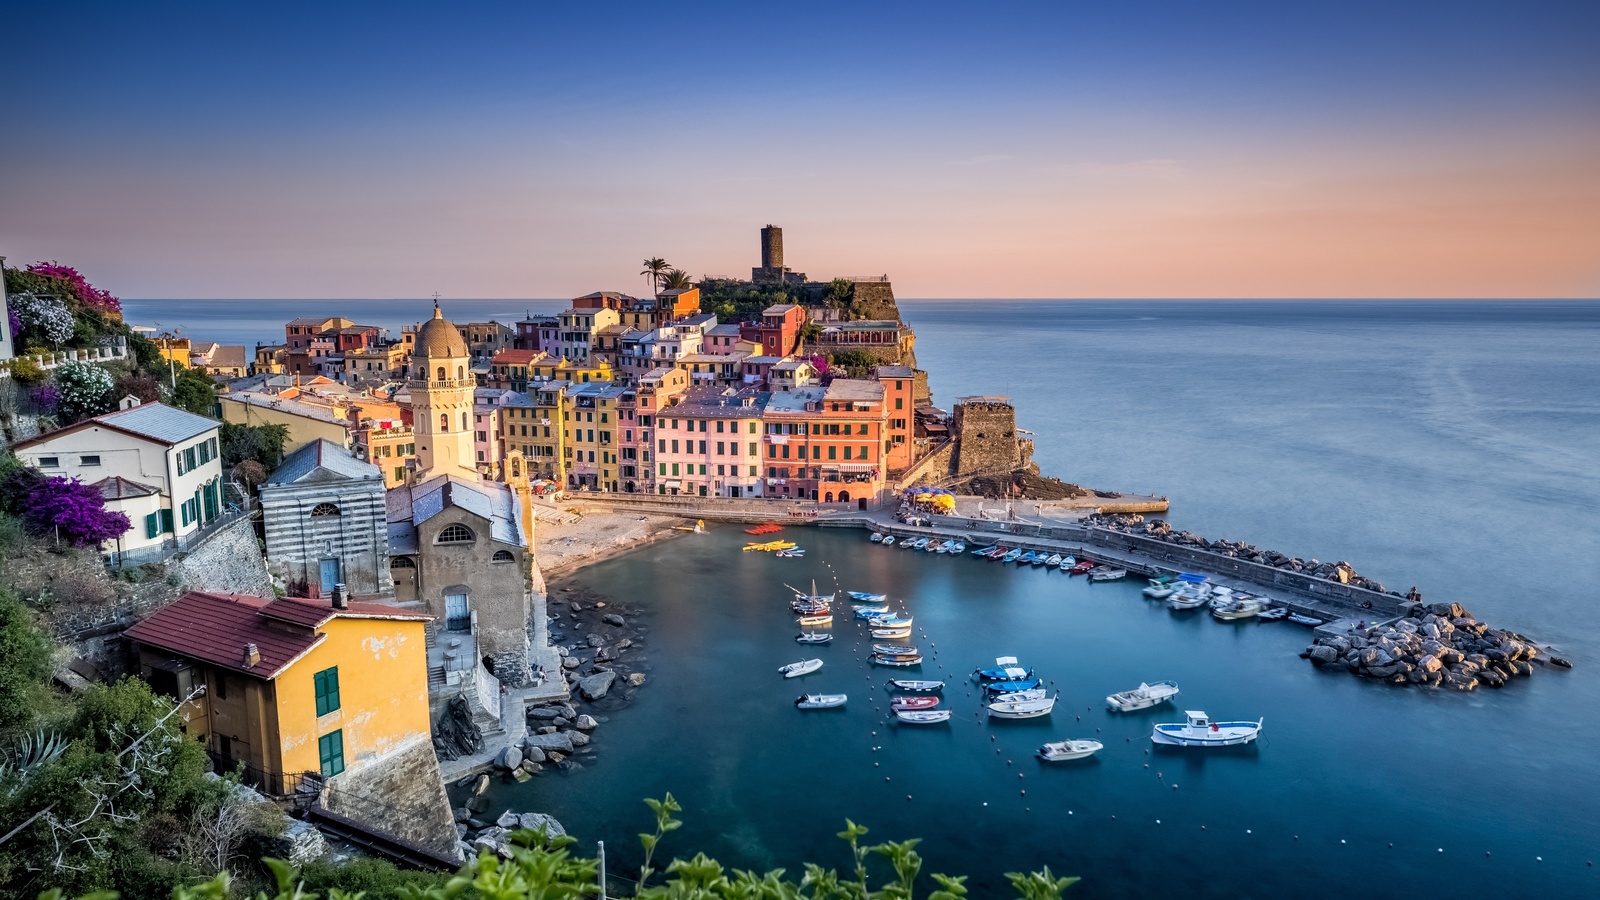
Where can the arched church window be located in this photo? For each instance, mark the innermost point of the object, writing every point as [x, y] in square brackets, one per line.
[503, 556]
[455, 534]
[444, 421]
[460, 373]
[324, 509]
[463, 421]
[441, 373]
[402, 562]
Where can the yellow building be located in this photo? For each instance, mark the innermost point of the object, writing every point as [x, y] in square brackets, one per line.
[553, 368]
[531, 423]
[303, 691]
[591, 428]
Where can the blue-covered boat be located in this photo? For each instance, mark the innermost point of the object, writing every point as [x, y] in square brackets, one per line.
[1026, 559]
[1005, 669]
[1011, 687]
[873, 612]
[863, 597]
[891, 622]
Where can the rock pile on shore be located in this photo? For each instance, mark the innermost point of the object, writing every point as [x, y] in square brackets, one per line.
[474, 835]
[1161, 530]
[1441, 645]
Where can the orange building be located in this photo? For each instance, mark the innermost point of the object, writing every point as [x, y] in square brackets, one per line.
[827, 443]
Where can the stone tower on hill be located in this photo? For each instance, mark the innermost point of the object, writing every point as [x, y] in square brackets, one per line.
[772, 269]
[441, 400]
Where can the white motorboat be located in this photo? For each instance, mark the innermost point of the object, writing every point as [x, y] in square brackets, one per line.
[1061, 751]
[1200, 731]
[1159, 589]
[1022, 709]
[816, 620]
[803, 667]
[1235, 610]
[923, 716]
[918, 687]
[899, 632]
[889, 541]
[1189, 596]
[1144, 696]
[876, 538]
[821, 701]
[814, 638]
[1273, 614]
[1107, 573]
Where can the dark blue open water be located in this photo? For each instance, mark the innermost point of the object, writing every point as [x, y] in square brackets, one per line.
[1451, 445]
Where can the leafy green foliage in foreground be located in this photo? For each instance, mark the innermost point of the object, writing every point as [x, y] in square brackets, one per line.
[543, 868]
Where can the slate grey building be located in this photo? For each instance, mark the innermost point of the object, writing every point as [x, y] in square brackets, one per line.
[326, 523]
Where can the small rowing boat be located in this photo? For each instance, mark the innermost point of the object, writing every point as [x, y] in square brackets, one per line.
[876, 538]
[807, 621]
[863, 597]
[1104, 573]
[891, 634]
[902, 662]
[918, 687]
[1144, 696]
[899, 704]
[923, 717]
[893, 648]
[803, 667]
[821, 701]
[1023, 709]
[1061, 751]
[889, 541]
[814, 638]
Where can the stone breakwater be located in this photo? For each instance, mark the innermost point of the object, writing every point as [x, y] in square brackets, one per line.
[1439, 645]
[1342, 572]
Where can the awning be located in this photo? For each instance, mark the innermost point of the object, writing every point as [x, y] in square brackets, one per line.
[672, 485]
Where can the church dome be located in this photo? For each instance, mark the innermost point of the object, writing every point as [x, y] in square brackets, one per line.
[438, 339]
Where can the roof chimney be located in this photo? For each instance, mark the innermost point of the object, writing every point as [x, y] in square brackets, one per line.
[340, 601]
[252, 656]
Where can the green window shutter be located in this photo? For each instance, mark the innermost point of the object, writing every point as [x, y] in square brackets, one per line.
[330, 747]
[166, 521]
[327, 688]
[152, 525]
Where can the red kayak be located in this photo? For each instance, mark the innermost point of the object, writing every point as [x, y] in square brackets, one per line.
[906, 704]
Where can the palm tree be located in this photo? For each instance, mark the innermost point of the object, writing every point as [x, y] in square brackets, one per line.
[675, 279]
[653, 267]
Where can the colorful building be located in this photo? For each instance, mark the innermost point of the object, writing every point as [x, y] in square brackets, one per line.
[827, 443]
[708, 444]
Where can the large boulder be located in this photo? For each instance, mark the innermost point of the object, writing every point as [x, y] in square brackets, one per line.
[531, 754]
[596, 686]
[509, 758]
[586, 723]
[545, 712]
[613, 619]
[1323, 655]
[536, 821]
[579, 739]
[558, 742]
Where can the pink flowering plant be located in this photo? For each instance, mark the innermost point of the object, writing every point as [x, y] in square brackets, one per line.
[80, 288]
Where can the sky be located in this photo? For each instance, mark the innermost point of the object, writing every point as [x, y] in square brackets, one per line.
[1062, 149]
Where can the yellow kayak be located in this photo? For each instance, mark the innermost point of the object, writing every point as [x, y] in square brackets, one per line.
[770, 546]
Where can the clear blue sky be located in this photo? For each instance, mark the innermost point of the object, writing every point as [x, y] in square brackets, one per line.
[1049, 149]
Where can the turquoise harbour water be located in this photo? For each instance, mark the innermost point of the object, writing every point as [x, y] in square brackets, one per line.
[1450, 445]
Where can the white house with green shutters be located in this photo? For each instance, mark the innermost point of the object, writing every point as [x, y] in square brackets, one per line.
[159, 465]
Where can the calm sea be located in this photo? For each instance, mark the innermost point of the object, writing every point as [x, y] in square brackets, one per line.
[1450, 445]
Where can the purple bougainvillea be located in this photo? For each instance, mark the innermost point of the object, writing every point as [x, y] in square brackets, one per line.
[64, 507]
[46, 399]
[87, 294]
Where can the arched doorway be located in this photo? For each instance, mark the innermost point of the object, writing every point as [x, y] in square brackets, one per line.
[403, 571]
[844, 496]
[828, 498]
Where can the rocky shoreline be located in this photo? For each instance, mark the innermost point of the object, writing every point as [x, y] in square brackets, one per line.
[1439, 645]
[1161, 530]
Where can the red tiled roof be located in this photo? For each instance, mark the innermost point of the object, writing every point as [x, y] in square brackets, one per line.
[516, 357]
[214, 628]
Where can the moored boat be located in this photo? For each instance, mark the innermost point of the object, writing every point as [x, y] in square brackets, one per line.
[985, 551]
[1023, 709]
[908, 703]
[814, 638]
[898, 662]
[893, 622]
[1107, 573]
[1235, 610]
[864, 597]
[1188, 596]
[876, 538]
[816, 620]
[1159, 588]
[889, 541]
[891, 634]
[923, 717]
[803, 667]
[821, 701]
[809, 607]
[1066, 564]
[918, 687]
[1026, 559]
[1081, 566]
[871, 612]
[1012, 687]
[1273, 614]
[1053, 561]
[1005, 669]
[1011, 555]
[1061, 751]
[1146, 695]
[894, 648]
[958, 549]
[1200, 731]
[1308, 621]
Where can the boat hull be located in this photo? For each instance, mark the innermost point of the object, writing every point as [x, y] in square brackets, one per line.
[918, 687]
[1228, 734]
[924, 717]
[1062, 751]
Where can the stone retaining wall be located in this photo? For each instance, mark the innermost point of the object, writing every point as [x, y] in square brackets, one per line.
[401, 794]
[228, 562]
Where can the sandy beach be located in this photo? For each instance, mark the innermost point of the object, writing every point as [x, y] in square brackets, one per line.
[572, 539]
